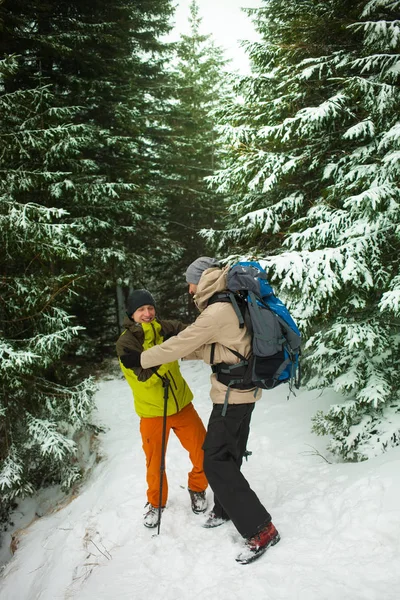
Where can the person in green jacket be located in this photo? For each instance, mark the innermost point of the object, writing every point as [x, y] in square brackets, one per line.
[143, 331]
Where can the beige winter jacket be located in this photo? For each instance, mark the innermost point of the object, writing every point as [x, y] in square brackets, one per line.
[217, 323]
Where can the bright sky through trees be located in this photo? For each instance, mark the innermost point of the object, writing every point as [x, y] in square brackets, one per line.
[226, 22]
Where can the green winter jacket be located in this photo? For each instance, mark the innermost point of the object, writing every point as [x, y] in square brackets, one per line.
[147, 386]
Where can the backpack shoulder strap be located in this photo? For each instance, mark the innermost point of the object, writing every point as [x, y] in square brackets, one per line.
[228, 297]
[219, 297]
[212, 354]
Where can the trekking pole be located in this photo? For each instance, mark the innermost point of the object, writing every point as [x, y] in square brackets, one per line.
[166, 383]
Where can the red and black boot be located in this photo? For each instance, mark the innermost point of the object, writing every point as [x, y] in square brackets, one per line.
[258, 544]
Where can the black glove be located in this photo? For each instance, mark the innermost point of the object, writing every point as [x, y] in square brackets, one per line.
[131, 359]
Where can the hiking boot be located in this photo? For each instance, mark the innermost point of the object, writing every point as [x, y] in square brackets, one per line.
[199, 501]
[214, 521]
[258, 544]
[150, 517]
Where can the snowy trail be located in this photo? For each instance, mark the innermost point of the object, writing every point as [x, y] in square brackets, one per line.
[340, 523]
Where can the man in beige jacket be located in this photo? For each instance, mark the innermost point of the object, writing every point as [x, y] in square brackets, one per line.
[210, 338]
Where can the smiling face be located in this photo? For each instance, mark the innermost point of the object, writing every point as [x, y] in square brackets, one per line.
[144, 314]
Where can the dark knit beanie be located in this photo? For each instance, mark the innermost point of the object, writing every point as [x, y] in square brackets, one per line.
[196, 269]
[138, 298]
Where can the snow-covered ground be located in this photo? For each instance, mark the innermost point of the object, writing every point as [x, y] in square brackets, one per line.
[339, 523]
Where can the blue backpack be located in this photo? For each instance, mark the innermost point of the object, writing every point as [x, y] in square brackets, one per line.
[276, 339]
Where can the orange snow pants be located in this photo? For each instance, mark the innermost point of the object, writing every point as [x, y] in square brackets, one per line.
[189, 429]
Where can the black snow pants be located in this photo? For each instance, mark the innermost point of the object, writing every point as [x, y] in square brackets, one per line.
[224, 448]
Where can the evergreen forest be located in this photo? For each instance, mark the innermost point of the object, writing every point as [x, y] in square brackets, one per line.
[125, 156]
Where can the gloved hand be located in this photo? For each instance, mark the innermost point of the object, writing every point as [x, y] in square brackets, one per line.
[131, 358]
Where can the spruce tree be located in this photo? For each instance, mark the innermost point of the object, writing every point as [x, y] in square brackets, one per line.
[191, 153]
[42, 405]
[80, 86]
[315, 165]
[106, 58]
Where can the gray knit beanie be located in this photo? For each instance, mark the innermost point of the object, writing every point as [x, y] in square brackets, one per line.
[196, 269]
[138, 298]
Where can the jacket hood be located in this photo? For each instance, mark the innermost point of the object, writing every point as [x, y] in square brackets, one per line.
[131, 325]
[138, 329]
[212, 281]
